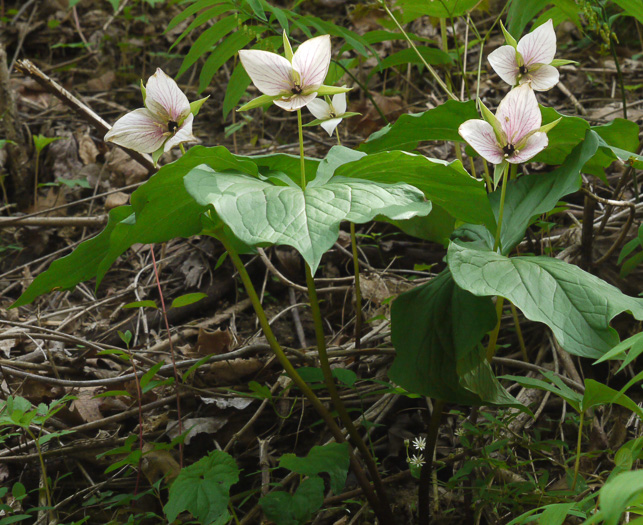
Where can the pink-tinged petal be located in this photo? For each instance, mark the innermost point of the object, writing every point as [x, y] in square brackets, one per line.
[311, 60]
[165, 99]
[518, 113]
[543, 78]
[319, 108]
[183, 134]
[138, 130]
[330, 125]
[535, 144]
[339, 103]
[480, 136]
[539, 46]
[271, 73]
[295, 102]
[503, 62]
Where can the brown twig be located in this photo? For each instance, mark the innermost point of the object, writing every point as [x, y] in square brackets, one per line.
[53, 222]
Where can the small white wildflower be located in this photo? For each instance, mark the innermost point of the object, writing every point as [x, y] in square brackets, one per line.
[419, 443]
[417, 460]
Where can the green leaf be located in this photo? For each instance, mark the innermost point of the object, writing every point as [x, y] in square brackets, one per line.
[634, 343]
[440, 9]
[257, 8]
[521, 12]
[332, 459]
[189, 11]
[4, 142]
[431, 55]
[141, 304]
[203, 489]
[260, 212]
[187, 299]
[598, 394]
[576, 305]
[435, 329]
[41, 142]
[618, 494]
[239, 82]
[222, 53]
[195, 106]
[552, 384]
[408, 131]
[203, 18]
[297, 509]
[632, 8]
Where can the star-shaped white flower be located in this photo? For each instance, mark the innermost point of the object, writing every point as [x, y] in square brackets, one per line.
[417, 460]
[164, 122]
[514, 134]
[419, 443]
[528, 60]
[293, 81]
[330, 114]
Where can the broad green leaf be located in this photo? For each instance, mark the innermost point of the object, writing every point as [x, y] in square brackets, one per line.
[632, 8]
[408, 131]
[332, 459]
[294, 509]
[239, 82]
[618, 494]
[598, 394]
[188, 298]
[431, 55]
[576, 305]
[434, 328]
[261, 212]
[532, 195]
[440, 9]
[446, 184]
[203, 489]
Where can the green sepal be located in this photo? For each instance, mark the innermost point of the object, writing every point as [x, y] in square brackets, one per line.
[508, 38]
[331, 90]
[548, 127]
[519, 60]
[318, 121]
[157, 155]
[557, 62]
[263, 100]
[287, 47]
[542, 129]
[143, 92]
[498, 171]
[195, 106]
[495, 123]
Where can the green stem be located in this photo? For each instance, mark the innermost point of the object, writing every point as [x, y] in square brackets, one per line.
[358, 291]
[382, 511]
[521, 340]
[35, 182]
[182, 148]
[493, 337]
[428, 66]
[578, 443]
[514, 172]
[45, 481]
[302, 161]
[424, 490]
[501, 211]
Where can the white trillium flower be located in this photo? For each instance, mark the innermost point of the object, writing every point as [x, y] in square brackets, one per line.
[164, 122]
[514, 134]
[294, 80]
[331, 114]
[529, 60]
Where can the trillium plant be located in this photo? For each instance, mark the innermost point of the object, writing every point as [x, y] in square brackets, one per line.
[444, 331]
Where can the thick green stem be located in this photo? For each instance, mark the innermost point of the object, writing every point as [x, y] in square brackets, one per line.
[501, 211]
[382, 511]
[302, 161]
[358, 291]
[578, 444]
[424, 508]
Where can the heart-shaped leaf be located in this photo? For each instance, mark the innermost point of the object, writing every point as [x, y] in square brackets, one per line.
[294, 509]
[332, 458]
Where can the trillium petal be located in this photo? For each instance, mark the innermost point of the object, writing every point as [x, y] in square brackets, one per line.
[330, 125]
[480, 136]
[339, 103]
[319, 108]
[165, 99]
[519, 113]
[271, 73]
[312, 59]
[183, 134]
[295, 102]
[138, 130]
[503, 62]
[543, 78]
[539, 46]
[535, 144]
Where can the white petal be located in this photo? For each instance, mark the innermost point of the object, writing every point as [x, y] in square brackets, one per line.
[165, 99]
[503, 62]
[330, 125]
[543, 78]
[295, 102]
[339, 103]
[518, 113]
[535, 144]
[183, 134]
[539, 46]
[271, 73]
[480, 136]
[138, 130]
[312, 60]
[319, 108]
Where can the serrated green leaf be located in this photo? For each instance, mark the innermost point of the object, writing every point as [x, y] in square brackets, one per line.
[294, 509]
[203, 489]
[332, 459]
[187, 299]
[576, 305]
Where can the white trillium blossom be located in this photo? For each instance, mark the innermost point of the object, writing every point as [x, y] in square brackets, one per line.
[164, 122]
[528, 60]
[330, 114]
[294, 81]
[514, 134]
